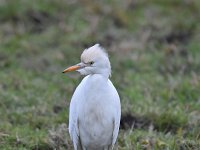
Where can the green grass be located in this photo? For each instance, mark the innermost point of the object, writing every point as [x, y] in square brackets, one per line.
[155, 55]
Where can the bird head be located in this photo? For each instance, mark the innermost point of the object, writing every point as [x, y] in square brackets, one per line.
[94, 60]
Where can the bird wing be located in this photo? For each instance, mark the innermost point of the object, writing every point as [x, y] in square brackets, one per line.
[73, 121]
[116, 124]
[117, 114]
[73, 113]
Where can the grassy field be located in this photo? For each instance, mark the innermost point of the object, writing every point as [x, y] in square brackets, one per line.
[154, 48]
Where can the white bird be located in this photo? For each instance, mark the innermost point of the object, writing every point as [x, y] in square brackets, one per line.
[95, 109]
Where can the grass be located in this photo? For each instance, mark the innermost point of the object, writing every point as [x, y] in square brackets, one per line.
[154, 52]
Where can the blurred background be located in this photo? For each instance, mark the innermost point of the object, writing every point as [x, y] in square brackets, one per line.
[154, 48]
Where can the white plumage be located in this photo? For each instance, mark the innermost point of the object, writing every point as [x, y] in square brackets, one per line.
[95, 110]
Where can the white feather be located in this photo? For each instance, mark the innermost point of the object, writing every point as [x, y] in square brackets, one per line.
[95, 109]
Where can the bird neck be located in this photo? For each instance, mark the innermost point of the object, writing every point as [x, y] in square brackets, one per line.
[105, 73]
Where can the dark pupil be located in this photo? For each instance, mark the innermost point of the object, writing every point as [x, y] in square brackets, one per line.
[91, 62]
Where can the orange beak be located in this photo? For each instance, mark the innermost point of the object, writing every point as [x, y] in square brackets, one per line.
[72, 68]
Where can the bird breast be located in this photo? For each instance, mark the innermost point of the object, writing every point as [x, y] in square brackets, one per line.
[96, 112]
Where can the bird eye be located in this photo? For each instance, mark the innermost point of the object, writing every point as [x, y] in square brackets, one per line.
[92, 62]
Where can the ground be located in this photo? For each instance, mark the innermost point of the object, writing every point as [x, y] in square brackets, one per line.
[154, 50]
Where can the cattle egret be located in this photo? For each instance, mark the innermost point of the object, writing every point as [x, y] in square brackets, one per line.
[95, 109]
